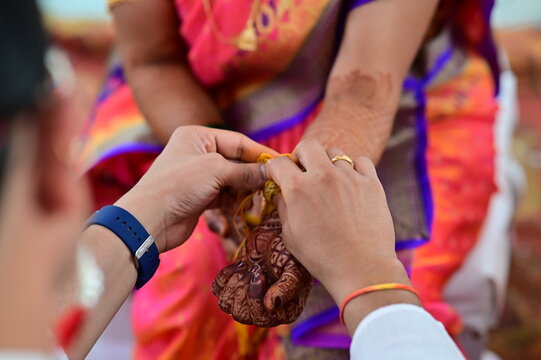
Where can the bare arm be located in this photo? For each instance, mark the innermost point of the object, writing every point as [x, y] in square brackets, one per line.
[379, 45]
[187, 177]
[154, 59]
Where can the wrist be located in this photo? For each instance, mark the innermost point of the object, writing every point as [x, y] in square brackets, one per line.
[362, 273]
[134, 236]
[371, 271]
[359, 307]
[112, 255]
[149, 216]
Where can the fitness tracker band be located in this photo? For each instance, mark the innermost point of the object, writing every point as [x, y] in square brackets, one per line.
[134, 236]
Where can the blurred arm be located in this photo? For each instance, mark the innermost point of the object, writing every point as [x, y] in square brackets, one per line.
[379, 45]
[154, 59]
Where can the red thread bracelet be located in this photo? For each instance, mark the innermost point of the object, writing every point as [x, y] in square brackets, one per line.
[373, 288]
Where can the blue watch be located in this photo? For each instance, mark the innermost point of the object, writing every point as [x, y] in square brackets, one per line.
[134, 236]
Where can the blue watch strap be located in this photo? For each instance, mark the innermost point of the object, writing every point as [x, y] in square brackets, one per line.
[134, 235]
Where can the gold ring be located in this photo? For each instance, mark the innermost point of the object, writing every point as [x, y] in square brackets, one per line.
[345, 158]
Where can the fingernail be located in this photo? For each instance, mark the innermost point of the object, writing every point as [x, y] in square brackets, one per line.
[263, 172]
[214, 228]
[257, 287]
[255, 269]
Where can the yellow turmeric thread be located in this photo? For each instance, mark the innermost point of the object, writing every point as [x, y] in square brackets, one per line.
[248, 220]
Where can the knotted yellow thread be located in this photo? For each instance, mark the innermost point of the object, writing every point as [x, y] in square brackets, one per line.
[249, 220]
[247, 342]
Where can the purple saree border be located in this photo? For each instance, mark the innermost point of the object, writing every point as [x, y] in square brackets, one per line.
[410, 243]
[130, 148]
[274, 129]
[355, 3]
[488, 47]
[417, 87]
[115, 74]
[299, 332]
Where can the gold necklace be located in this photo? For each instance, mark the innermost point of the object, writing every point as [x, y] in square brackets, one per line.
[247, 38]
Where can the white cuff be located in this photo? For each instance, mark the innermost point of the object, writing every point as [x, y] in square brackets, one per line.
[402, 332]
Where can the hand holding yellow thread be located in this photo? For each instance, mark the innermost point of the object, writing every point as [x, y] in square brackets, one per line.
[265, 286]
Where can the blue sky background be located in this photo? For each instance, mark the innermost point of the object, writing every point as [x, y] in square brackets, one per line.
[508, 12]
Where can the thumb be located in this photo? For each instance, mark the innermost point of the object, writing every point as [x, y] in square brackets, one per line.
[291, 282]
[242, 177]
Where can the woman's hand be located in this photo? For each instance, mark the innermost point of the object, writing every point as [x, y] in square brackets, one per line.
[265, 286]
[337, 224]
[196, 168]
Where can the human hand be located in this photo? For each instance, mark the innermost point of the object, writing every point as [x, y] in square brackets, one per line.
[223, 222]
[266, 286]
[336, 221]
[227, 223]
[196, 170]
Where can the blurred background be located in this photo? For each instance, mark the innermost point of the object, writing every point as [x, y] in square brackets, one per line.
[83, 28]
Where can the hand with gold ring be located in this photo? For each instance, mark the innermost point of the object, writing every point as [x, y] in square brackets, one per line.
[337, 224]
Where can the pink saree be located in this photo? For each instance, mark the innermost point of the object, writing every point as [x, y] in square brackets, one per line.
[273, 94]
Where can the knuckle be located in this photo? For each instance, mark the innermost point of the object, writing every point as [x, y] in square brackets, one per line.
[248, 175]
[335, 151]
[182, 131]
[279, 161]
[365, 161]
[326, 175]
[214, 159]
[306, 143]
[279, 166]
[296, 185]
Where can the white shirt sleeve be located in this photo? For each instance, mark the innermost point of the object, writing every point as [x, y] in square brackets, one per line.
[402, 332]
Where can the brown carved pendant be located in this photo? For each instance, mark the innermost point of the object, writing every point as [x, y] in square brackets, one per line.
[265, 286]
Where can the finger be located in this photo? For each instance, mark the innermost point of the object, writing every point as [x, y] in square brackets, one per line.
[365, 167]
[286, 288]
[226, 202]
[312, 155]
[216, 222]
[225, 274]
[341, 164]
[226, 298]
[258, 316]
[282, 170]
[240, 309]
[242, 177]
[236, 146]
[257, 283]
